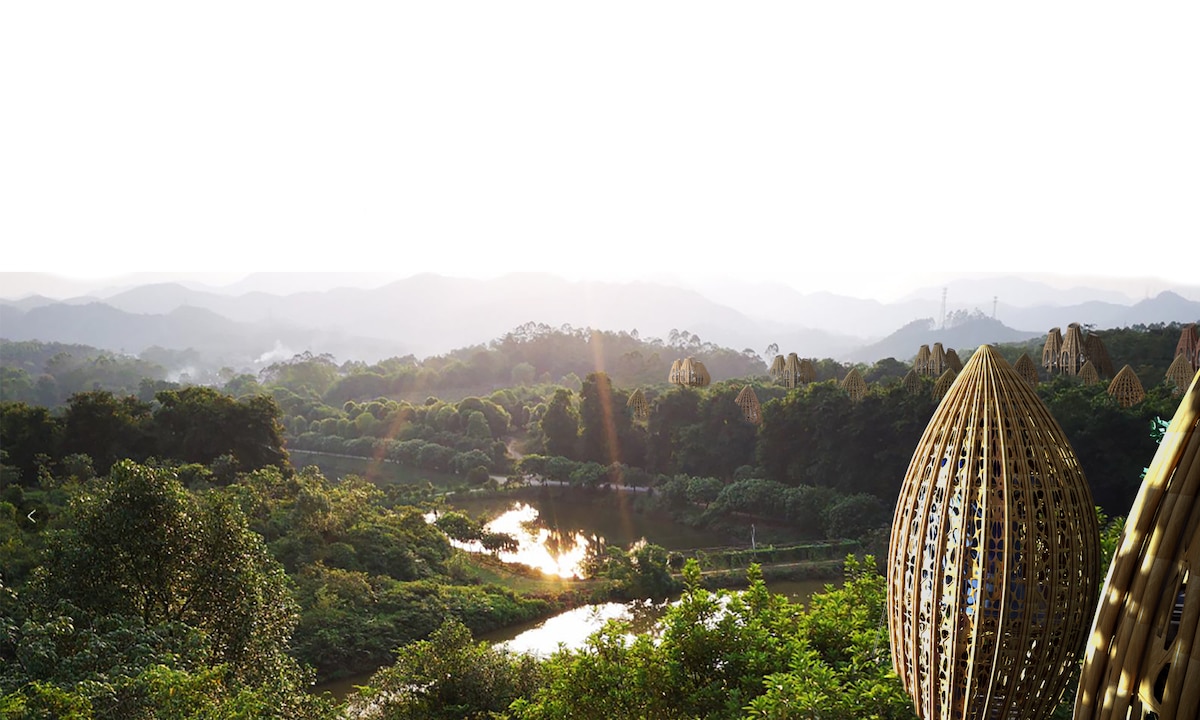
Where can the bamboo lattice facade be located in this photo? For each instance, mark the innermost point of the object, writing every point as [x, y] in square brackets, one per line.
[748, 402]
[808, 371]
[791, 370]
[1088, 374]
[912, 382]
[942, 386]
[1179, 374]
[1071, 357]
[994, 556]
[1051, 350]
[1143, 659]
[1026, 369]
[637, 403]
[921, 364]
[1127, 388]
[777, 366]
[952, 360]
[854, 385]
[1189, 345]
[937, 360]
[689, 372]
[1097, 354]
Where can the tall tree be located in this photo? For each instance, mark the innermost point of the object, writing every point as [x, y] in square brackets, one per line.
[560, 425]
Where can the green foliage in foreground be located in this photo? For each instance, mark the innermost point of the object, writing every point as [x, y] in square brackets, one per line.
[714, 655]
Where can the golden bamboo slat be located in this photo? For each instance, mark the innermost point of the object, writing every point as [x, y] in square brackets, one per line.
[1127, 388]
[1189, 345]
[944, 381]
[912, 382]
[1051, 350]
[637, 403]
[673, 375]
[1097, 354]
[1179, 374]
[1143, 658]
[952, 360]
[748, 402]
[1071, 356]
[937, 360]
[921, 364]
[1088, 374]
[791, 370]
[854, 384]
[1026, 369]
[993, 562]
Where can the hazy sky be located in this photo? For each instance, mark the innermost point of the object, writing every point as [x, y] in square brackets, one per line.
[825, 143]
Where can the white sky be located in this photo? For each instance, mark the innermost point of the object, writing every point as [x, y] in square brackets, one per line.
[784, 141]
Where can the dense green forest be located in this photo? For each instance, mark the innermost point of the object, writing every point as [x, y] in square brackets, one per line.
[162, 554]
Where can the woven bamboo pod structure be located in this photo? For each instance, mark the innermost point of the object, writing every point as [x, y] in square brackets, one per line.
[1088, 373]
[1026, 369]
[912, 382]
[1126, 388]
[1179, 374]
[808, 371]
[937, 360]
[854, 384]
[637, 403]
[777, 366]
[1050, 352]
[1143, 659]
[1097, 354]
[748, 402]
[1189, 345]
[689, 373]
[921, 364]
[791, 370]
[993, 565]
[1071, 356]
[942, 386]
[952, 360]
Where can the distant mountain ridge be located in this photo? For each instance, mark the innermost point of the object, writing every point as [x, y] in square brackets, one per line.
[432, 314]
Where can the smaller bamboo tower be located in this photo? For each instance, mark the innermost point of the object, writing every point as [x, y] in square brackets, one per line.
[952, 360]
[1126, 388]
[791, 371]
[1143, 656]
[942, 386]
[808, 371]
[1179, 374]
[1026, 369]
[748, 402]
[1088, 374]
[637, 403]
[937, 360]
[1053, 347]
[777, 366]
[1071, 357]
[1097, 354]
[912, 383]
[1189, 345]
[921, 364]
[854, 385]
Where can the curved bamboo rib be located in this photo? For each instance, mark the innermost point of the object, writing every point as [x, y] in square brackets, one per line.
[1097, 354]
[952, 361]
[993, 559]
[1189, 345]
[937, 360]
[1088, 374]
[922, 363]
[942, 386]
[1143, 658]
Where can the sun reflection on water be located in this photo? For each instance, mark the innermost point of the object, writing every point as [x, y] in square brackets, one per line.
[554, 553]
